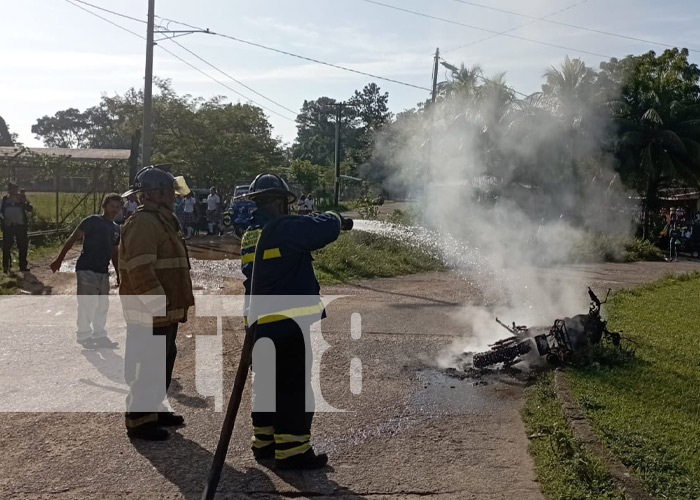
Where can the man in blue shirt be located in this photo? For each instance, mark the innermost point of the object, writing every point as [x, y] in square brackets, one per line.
[100, 236]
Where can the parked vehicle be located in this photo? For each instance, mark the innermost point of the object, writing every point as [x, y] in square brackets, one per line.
[237, 217]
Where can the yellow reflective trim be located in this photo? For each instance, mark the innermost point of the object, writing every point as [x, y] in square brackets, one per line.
[296, 312]
[297, 450]
[272, 253]
[137, 422]
[260, 443]
[340, 220]
[174, 263]
[291, 438]
[139, 260]
[247, 258]
[250, 238]
[269, 430]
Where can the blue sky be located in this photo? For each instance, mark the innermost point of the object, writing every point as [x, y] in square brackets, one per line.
[57, 56]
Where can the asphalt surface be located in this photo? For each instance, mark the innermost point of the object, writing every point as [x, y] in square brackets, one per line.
[411, 431]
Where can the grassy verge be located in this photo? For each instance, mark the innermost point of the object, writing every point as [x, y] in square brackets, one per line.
[71, 206]
[599, 247]
[564, 468]
[646, 410]
[358, 255]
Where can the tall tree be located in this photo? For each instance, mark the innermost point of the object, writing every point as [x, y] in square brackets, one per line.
[6, 138]
[658, 114]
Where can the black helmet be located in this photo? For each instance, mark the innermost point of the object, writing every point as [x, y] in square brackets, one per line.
[269, 185]
[153, 177]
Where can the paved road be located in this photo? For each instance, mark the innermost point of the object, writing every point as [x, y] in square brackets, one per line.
[410, 432]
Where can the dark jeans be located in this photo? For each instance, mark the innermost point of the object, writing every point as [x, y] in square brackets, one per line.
[10, 234]
[148, 370]
[292, 382]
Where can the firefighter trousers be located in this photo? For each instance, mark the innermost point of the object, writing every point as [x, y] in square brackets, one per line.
[286, 426]
[148, 368]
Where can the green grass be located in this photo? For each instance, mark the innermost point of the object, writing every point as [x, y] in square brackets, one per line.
[601, 247]
[564, 468]
[648, 411]
[360, 255]
[72, 206]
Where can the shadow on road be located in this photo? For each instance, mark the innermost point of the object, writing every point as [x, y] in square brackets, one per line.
[316, 483]
[185, 464]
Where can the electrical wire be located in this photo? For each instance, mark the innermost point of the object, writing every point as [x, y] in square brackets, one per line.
[184, 61]
[305, 58]
[110, 11]
[232, 78]
[457, 23]
[550, 21]
[516, 27]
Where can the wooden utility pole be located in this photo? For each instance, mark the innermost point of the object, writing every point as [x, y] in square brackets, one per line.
[148, 89]
[435, 74]
[338, 116]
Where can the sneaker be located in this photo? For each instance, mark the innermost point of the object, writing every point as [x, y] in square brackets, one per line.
[264, 453]
[170, 419]
[104, 342]
[148, 433]
[87, 343]
[308, 460]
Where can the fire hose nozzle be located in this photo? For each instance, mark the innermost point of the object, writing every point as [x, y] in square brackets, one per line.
[347, 224]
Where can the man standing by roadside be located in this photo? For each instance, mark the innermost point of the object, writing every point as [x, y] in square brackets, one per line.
[130, 206]
[156, 293]
[100, 235]
[13, 217]
[213, 209]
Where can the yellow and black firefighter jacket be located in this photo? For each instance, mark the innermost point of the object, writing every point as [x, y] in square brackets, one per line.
[153, 262]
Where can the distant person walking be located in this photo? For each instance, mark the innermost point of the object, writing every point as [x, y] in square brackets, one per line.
[14, 222]
[189, 214]
[213, 209]
[100, 235]
[309, 203]
[301, 205]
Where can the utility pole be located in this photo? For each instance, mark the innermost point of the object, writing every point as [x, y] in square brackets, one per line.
[338, 116]
[435, 73]
[148, 88]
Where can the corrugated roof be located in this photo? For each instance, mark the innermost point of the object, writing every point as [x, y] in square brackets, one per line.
[76, 154]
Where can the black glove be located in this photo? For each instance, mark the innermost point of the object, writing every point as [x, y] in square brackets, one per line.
[346, 224]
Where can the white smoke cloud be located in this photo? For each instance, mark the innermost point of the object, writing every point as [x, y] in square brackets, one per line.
[525, 196]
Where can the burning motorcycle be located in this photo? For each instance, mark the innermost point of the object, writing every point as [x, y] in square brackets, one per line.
[558, 343]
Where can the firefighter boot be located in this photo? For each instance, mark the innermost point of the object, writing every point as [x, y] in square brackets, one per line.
[148, 432]
[170, 419]
[307, 460]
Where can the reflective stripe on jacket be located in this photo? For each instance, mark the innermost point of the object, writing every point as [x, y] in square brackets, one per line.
[153, 262]
[280, 250]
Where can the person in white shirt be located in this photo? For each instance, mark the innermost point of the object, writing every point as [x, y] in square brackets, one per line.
[213, 209]
[309, 203]
[130, 206]
[189, 215]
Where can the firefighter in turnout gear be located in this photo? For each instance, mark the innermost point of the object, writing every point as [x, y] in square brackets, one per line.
[276, 261]
[156, 293]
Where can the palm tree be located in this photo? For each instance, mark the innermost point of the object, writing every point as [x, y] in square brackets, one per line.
[661, 137]
[463, 81]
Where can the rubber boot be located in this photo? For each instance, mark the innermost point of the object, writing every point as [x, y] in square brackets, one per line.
[308, 460]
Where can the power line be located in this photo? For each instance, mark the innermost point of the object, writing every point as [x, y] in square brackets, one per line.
[184, 61]
[457, 23]
[517, 27]
[232, 78]
[109, 11]
[550, 21]
[305, 58]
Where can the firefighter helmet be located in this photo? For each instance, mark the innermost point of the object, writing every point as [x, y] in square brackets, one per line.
[269, 185]
[153, 178]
